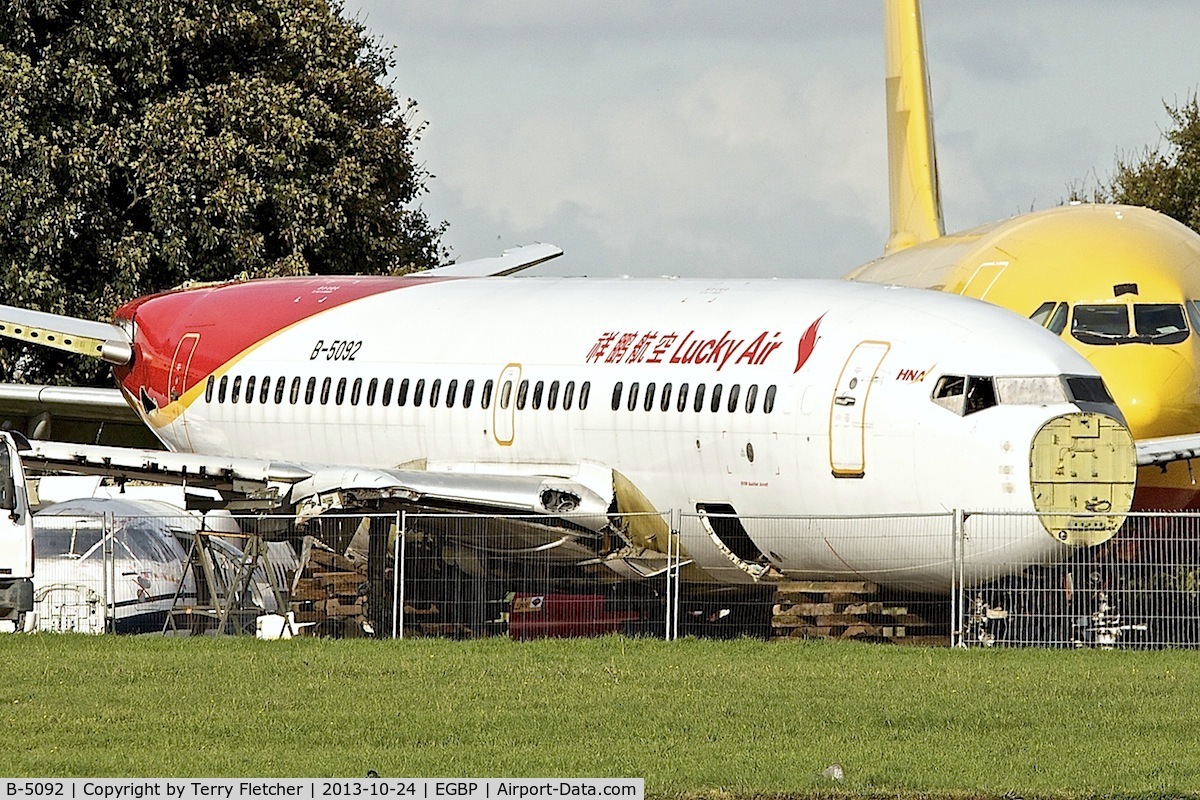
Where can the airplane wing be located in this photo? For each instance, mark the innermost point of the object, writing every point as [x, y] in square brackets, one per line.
[1165, 449]
[72, 414]
[512, 260]
[564, 514]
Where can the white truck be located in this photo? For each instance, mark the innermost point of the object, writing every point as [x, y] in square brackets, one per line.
[16, 538]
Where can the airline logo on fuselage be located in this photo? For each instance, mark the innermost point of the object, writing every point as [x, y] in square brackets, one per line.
[690, 347]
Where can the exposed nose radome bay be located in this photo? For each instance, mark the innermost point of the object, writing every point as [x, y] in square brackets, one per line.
[1082, 469]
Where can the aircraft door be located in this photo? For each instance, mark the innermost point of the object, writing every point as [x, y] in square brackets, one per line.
[504, 407]
[848, 412]
[177, 385]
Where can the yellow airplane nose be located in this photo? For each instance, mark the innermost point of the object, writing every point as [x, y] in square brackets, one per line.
[1153, 385]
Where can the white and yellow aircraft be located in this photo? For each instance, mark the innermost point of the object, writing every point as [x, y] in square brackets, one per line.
[587, 403]
[1120, 284]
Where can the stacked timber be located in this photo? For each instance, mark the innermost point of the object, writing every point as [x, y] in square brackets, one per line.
[848, 610]
[329, 590]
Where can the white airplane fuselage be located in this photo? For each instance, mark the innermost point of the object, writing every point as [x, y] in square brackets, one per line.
[817, 401]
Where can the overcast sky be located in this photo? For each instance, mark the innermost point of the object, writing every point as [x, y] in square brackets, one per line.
[747, 138]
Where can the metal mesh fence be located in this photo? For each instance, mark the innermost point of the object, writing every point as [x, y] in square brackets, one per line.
[1139, 589]
[974, 579]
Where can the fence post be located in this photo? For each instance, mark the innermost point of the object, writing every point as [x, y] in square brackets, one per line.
[958, 577]
[667, 575]
[397, 576]
[109, 557]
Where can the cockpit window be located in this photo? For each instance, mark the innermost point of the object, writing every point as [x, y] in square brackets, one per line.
[1153, 323]
[948, 393]
[1045, 390]
[1088, 389]
[964, 395]
[1159, 323]
[1042, 315]
[1051, 315]
[967, 395]
[1106, 324]
[981, 394]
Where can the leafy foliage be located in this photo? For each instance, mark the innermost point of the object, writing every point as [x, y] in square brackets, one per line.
[1167, 178]
[147, 143]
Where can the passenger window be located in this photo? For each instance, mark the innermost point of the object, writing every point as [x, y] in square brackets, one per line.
[339, 397]
[633, 396]
[568, 395]
[698, 402]
[418, 392]
[386, 397]
[250, 389]
[681, 403]
[435, 391]
[264, 393]
[751, 398]
[208, 388]
[310, 391]
[451, 393]
[522, 394]
[552, 396]
[468, 391]
[734, 391]
[648, 401]
[237, 389]
[326, 385]
[402, 392]
[769, 400]
[715, 405]
[280, 388]
[356, 391]
[616, 398]
[585, 391]
[537, 394]
[295, 395]
[664, 403]
[486, 400]
[505, 395]
[372, 390]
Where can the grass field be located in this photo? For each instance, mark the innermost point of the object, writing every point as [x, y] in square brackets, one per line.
[731, 719]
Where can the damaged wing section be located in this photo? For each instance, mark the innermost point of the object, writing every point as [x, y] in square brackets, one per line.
[585, 515]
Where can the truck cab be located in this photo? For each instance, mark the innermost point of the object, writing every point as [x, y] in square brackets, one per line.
[16, 538]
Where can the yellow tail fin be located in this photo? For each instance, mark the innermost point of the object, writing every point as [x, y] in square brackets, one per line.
[916, 203]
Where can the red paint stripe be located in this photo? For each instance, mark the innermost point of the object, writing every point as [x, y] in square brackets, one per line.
[230, 318]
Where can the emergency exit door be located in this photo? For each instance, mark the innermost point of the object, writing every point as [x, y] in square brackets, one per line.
[847, 416]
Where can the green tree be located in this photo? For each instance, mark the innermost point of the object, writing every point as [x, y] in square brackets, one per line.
[148, 143]
[1167, 178]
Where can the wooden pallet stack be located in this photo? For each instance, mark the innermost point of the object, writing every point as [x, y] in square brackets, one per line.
[329, 590]
[848, 610]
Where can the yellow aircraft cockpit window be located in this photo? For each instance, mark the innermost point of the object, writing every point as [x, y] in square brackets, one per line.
[1052, 315]
[1159, 323]
[1153, 323]
[1103, 324]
